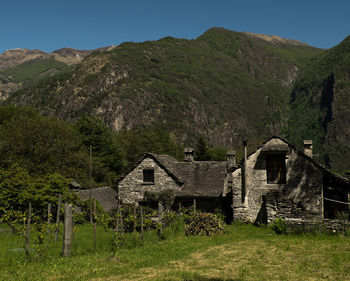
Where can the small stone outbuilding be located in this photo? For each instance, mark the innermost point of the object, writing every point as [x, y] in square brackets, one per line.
[106, 196]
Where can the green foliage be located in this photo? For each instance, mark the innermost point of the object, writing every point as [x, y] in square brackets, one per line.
[166, 197]
[169, 218]
[319, 106]
[139, 141]
[204, 152]
[33, 71]
[279, 226]
[203, 224]
[201, 150]
[222, 81]
[39, 144]
[104, 145]
[18, 188]
[217, 153]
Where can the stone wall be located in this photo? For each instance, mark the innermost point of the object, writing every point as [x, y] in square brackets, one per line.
[132, 187]
[299, 198]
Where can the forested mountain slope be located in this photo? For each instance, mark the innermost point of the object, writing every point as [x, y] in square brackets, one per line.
[224, 85]
[320, 106]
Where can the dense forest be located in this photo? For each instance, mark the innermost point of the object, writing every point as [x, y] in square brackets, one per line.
[40, 156]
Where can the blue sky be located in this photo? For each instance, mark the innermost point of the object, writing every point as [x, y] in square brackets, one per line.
[86, 24]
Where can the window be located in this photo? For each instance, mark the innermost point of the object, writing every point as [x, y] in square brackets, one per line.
[148, 176]
[276, 169]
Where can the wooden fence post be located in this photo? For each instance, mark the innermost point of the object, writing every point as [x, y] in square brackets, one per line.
[68, 227]
[116, 229]
[27, 233]
[141, 215]
[134, 226]
[49, 214]
[48, 217]
[194, 206]
[58, 215]
[94, 226]
[160, 212]
[121, 223]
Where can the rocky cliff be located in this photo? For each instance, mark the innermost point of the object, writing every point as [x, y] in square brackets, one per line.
[225, 85]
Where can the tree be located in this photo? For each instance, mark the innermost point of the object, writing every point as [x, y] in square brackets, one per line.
[108, 155]
[201, 150]
[18, 188]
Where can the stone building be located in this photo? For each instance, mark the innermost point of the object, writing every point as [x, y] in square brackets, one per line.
[277, 180]
[189, 179]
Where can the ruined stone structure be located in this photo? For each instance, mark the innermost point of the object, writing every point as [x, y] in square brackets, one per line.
[279, 181]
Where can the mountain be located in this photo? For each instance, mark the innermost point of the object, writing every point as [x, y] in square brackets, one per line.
[320, 106]
[22, 67]
[224, 85]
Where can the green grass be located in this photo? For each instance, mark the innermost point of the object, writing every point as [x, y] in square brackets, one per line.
[33, 71]
[244, 252]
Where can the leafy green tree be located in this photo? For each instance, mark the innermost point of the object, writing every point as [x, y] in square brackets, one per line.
[18, 188]
[39, 144]
[217, 153]
[15, 183]
[108, 155]
[139, 141]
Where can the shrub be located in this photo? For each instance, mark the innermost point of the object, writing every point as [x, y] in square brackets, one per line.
[166, 197]
[203, 224]
[169, 218]
[279, 226]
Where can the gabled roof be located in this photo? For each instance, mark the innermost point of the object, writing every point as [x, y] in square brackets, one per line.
[279, 147]
[106, 196]
[166, 162]
[197, 178]
[202, 178]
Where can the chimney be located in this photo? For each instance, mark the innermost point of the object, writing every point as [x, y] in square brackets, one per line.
[231, 159]
[308, 148]
[189, 154]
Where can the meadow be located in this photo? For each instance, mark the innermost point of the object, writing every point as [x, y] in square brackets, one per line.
[243, 252]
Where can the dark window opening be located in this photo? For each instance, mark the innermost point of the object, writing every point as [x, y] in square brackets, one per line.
[148, 175]
[276, 169]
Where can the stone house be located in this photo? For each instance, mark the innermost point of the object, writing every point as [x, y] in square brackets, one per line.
[189, 179]
[277, 180]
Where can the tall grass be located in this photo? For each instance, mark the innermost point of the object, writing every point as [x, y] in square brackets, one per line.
[243, 252]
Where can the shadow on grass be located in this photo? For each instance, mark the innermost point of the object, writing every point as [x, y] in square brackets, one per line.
[197, 277]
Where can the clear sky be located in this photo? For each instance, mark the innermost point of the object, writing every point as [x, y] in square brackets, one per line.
[85, 24]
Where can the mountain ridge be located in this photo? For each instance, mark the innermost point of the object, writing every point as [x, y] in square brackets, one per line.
[225, 85]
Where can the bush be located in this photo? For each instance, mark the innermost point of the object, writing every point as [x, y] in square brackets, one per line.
[203, 224]
[279, 226]
[166, 197]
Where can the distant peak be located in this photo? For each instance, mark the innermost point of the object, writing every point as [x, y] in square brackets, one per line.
[275, 39]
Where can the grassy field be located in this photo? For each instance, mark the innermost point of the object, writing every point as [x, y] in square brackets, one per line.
[243, 252]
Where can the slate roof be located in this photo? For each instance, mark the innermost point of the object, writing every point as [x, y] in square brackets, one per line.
[199, 178]
[106, 196]
[282, 147]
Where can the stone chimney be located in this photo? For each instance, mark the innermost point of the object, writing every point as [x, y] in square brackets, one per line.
[231, 159]
[308, 148]
[189, 154]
